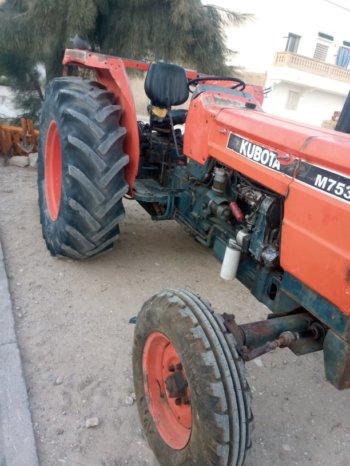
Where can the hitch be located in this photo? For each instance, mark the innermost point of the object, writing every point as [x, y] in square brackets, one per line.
[299, 332]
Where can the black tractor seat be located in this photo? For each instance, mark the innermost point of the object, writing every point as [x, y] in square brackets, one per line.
[165, 86]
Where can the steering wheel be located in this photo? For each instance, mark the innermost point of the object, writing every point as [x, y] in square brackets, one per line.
[240, 86]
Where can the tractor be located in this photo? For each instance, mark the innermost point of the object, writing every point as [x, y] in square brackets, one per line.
[270, 196]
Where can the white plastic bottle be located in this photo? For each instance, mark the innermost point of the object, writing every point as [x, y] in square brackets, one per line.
[231, 261]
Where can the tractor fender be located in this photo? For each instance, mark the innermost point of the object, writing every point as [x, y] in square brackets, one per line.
[110, 72]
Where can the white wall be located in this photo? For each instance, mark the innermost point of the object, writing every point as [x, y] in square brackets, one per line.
[314, 105]
[259, 39]
[276, 74]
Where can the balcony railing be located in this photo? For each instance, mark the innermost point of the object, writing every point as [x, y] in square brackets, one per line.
[310, 65]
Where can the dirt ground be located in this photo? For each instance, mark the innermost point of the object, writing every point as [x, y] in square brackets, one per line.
[76, 342]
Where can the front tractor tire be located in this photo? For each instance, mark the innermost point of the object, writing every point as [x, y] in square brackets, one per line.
[81, 168]
[192, 395]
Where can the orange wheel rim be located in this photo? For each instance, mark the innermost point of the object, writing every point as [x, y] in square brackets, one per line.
[53, 170]
[167, 391]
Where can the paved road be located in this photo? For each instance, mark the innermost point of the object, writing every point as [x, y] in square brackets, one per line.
[17, 443]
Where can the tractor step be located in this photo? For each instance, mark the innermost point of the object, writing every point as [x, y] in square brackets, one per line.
[149, 190]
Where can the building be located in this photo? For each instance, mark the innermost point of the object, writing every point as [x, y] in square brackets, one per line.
[304, 49]
[309, 76]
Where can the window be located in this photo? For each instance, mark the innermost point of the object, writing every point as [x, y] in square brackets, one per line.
[322, 35]
[292, 43]
[321, 51]
[293, 100]
[322, 46]
[343, 57]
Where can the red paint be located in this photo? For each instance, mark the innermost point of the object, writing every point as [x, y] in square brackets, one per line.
[315, 246]
[236, 211]
[174, 422]
[53, 170]
[256, 91]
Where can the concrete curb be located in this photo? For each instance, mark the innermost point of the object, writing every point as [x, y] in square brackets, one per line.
[17, 442]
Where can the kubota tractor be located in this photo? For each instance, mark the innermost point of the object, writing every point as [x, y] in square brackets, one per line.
[270, 196]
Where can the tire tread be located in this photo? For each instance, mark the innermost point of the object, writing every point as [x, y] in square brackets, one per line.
[227, 431]
[94, 185]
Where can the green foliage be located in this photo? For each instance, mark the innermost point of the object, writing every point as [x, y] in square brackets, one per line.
[21, 73]
[180, 31]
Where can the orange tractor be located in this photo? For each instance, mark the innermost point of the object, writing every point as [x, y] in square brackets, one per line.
[270, 196]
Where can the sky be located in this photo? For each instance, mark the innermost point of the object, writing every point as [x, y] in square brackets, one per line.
[259, 39]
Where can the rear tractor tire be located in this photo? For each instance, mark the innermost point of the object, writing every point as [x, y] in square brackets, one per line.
[80, 169]
[192, 395]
